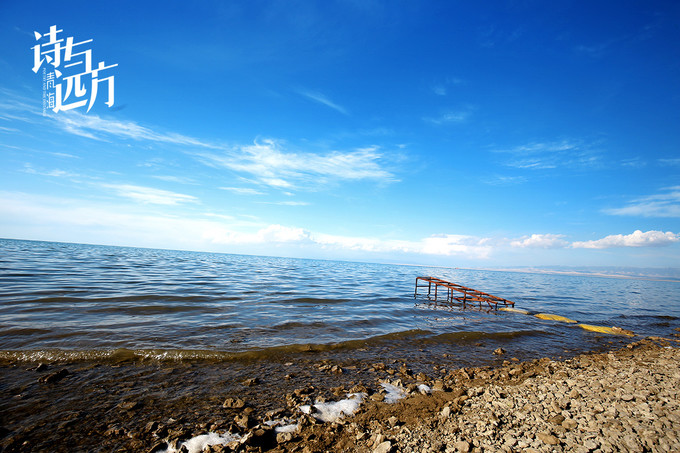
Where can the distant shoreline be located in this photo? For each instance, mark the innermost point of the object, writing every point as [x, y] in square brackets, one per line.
[580, 274]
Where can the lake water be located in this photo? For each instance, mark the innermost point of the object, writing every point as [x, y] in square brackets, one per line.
[73, 301]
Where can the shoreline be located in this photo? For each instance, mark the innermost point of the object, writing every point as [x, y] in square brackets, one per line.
[156, 407]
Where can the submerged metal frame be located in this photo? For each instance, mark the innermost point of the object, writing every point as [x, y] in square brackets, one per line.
[452, 289]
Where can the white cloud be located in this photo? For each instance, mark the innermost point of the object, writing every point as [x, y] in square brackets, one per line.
[545, 241]
[665, 204]
[75, 220]
[148, 225]
[271, 165]
[149, 195]
[242, 190]
[286, 203]
[177, 179]
[450, 117]
[55, 173]
[98, 128]
[322, 99]
[548, 155]
[455, 244]
[266, 160]
[272, 234]
[500, 180]
[441, 89]
[636, 239]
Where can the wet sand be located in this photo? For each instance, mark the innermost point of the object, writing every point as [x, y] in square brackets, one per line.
[626, 400]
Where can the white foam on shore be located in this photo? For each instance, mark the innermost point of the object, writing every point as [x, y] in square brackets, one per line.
[424, 388]
[290, 428]
[394, 393]
[198, 443]
[333, 411]
[282, 425]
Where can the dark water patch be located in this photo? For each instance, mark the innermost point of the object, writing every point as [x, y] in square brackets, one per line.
[152, 310]
[662, 317]
[314, 301]
[476, 336]
[300, 325]
[24, 331]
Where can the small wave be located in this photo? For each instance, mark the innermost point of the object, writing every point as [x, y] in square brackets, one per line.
[156, 309]
[314, 301]
[188, 355]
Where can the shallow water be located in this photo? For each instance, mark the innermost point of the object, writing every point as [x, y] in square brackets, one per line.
[72, 301]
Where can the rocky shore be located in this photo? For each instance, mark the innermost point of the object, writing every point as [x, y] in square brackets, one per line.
[624, 400]
[627, 400]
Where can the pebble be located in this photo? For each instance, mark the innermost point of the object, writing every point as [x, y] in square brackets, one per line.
[626, 400]
[384, 447]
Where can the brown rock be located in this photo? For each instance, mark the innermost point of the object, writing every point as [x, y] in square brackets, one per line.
[569, 424]
[462, 446]
[284, 437]
[243, 421]
[251, 382]
[556, 419]
[234, 403]
[548, 438]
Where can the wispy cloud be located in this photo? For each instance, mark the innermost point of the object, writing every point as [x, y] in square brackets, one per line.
[271, 165]
[665, 204]
[266, 161]
[442, 88]
[544, 241]
[501, 180]
[439, 90]
[17, 107]
[172, 178]
[55, 173]
[672, 161]
[14, 106]
[99, 128]
[636, 239]
[322, 99]
[548, 155]
[149, 195]
[634, 162]
[287, 203]
[450, 117]
[242, 190]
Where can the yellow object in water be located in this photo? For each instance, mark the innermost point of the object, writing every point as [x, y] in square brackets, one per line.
[609, 330]
[550, 317]
[514, 310]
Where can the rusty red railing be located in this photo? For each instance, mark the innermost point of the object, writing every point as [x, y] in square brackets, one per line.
[459, 293]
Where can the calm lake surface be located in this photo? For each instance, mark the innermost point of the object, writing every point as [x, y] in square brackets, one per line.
[72, 301]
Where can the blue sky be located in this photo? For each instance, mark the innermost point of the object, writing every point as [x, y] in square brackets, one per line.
[518, 133]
